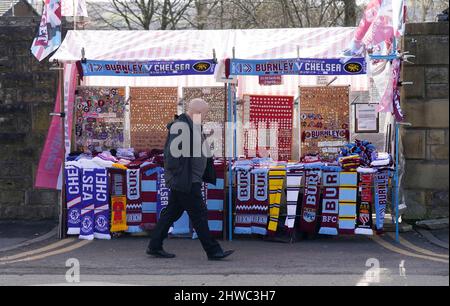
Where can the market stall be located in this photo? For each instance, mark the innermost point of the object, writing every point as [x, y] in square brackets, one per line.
[132, 86]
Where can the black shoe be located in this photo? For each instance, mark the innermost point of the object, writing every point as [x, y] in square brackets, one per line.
[160, 254]
[221, 255]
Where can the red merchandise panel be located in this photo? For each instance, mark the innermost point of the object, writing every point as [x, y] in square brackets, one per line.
[268, 115]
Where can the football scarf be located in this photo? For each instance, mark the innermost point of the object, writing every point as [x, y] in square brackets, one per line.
[215, 201]
[347, 202]
[162, 199]
[118, 199]
[149, 193]
[330, 201]
[381, 197]
[277, 175]
[73, 175]
[134, 202]
[101, 210]
[118, 214]
[364, 208]
[294, 183]
[260, 201]
[311, 198]
[118, 181]
[88, 205]
[243, 221]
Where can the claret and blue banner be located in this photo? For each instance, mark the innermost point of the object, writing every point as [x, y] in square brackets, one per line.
[147, 68]
[298, 66]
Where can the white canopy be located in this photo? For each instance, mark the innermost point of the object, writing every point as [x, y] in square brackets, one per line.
[193, 45]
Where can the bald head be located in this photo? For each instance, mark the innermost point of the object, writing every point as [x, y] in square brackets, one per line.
[196, 108]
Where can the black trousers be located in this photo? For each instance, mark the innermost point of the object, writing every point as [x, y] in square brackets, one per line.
[198, 213]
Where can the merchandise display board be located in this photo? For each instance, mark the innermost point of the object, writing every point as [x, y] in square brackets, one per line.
[100, 115]
[215, 120]
[324, 120]
[151, 110]
[264, 113]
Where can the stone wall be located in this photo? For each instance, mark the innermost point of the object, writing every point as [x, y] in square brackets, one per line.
[426, 104]
[27, 95]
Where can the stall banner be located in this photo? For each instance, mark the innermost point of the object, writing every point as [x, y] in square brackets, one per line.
[298, 66]
[324, 120]
[74, 195]
[102, 211]
[48, 38]
[134, 201]
[88, 205]
[100, 118]
[151, 109]
[49, 170]
[311, 198]
[145, 69]
[330, 203]
[269, 117]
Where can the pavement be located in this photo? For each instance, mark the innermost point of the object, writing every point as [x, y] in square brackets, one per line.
[13, 233]
[339, 261]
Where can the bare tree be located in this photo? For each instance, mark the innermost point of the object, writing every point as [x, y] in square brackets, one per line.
[350, 8]
[172, 12]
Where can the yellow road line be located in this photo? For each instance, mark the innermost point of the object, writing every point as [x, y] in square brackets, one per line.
[49, 254]
[41, 250]
[411, 246]
[395, 249]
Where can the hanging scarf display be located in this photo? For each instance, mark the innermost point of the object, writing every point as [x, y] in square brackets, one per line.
[260, 201]
[88, 205]
[163, 193]
[215, 201]
[118, 214]
[294, 183]
[347, 202]
[311, 198]
[149, 193]
[134, 202]
[364, 219]
[102, 212]
[381, 197]
[118, 199]
[330, 201]
[73, 176]
[243, 221]
[277, 175]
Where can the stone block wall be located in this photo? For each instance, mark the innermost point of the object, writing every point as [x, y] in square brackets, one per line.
[27, 96]
[426, 105]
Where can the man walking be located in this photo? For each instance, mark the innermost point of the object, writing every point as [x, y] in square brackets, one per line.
[187, 164]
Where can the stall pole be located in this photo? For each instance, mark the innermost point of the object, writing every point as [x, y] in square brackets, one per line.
[62, 206]
[230, 166]
[396, 183]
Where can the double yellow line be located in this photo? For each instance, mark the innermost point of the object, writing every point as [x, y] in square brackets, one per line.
[53, 249]
[419, 252]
